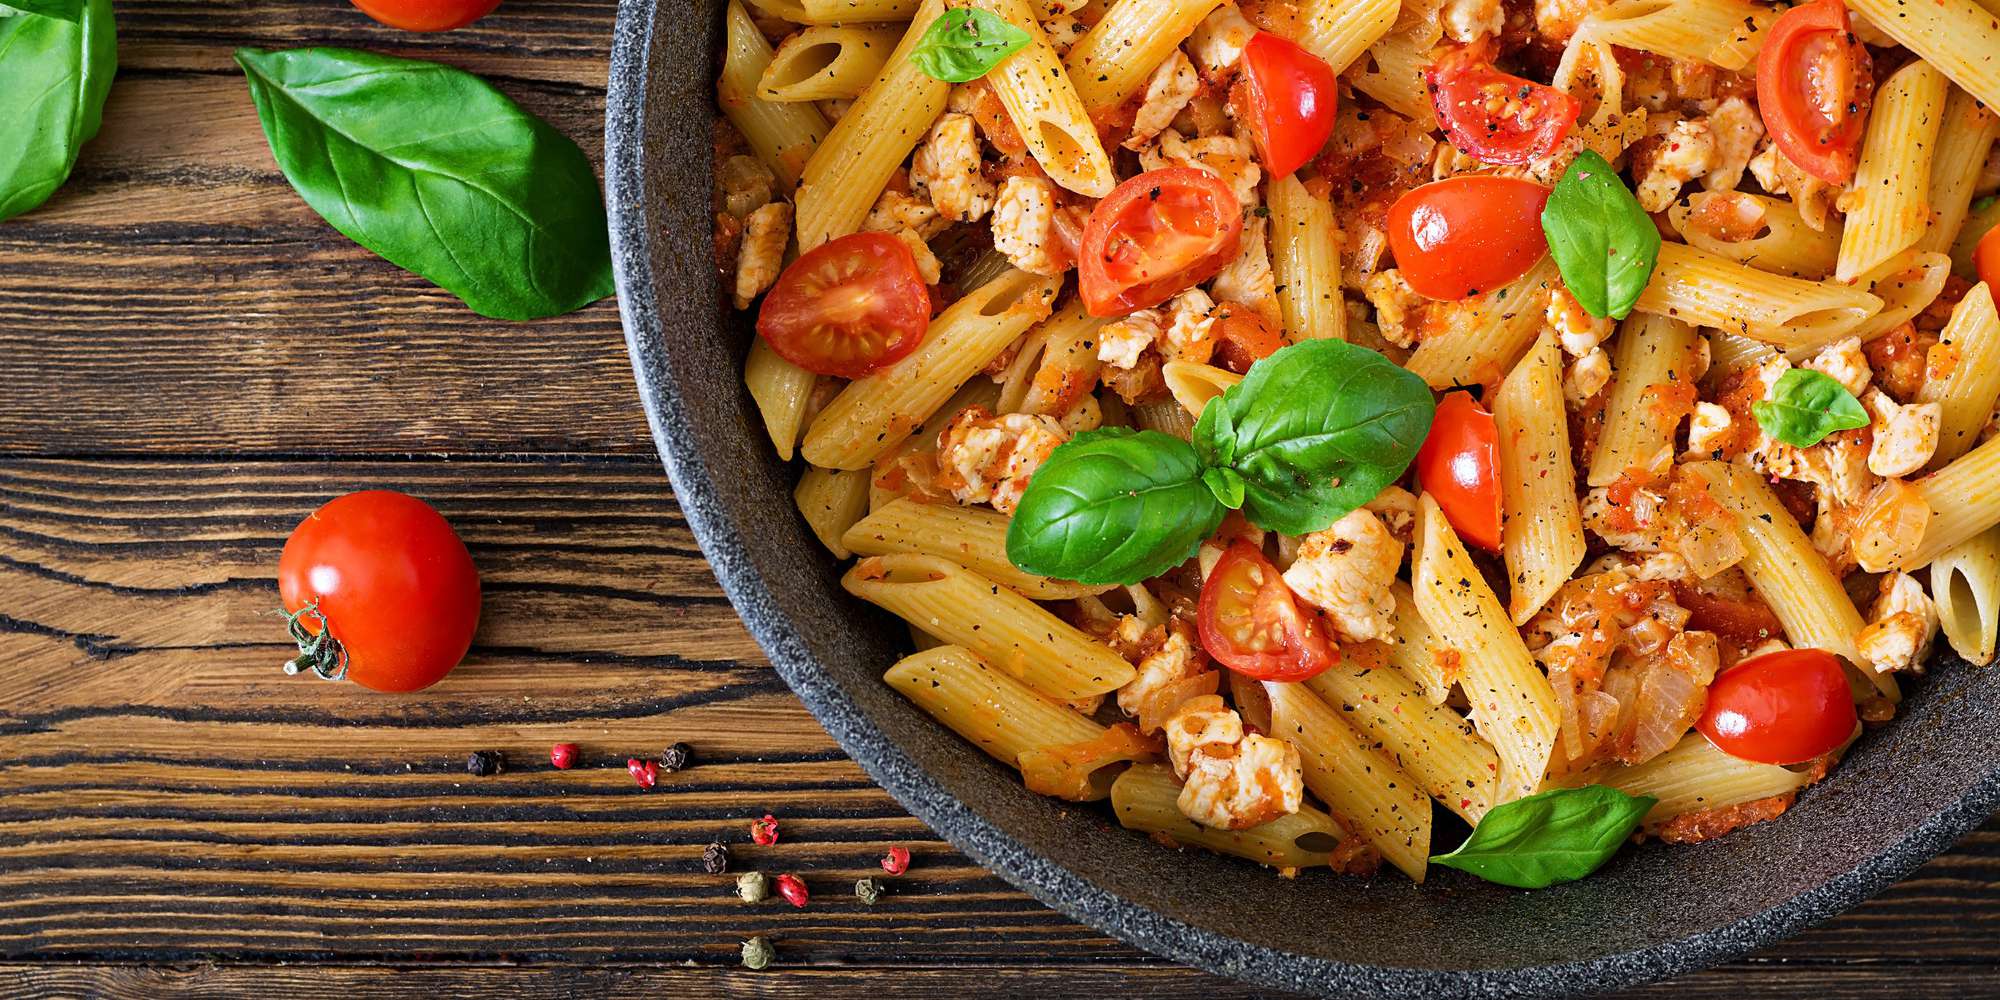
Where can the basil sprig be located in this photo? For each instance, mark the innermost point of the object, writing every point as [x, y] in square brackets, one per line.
[434, 169]
[1555, 836]
[965, 42]
[1312, 432]
[1603, 242]
[1805, 406]
[57, 58]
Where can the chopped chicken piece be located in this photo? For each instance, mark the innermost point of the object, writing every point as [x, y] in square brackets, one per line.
[1737, 130]
[1172, 86]
[1234, 780]
[1226, 156]
[1587, 377]
[1024, 226]
[1901, 626]
[1121, 341]
[1218, 41]
[1397, 306]
[1397, 509]
[747, 185]
[1468, 21]
[1190, 328]
[897, 210]
[1161, 673]
[1778, 175]
[947, 168]
[1838, 466]
[1844, 362]
[1905, 435]
[928, 267]
[1346, 570]
[1557, 20]
[762, 254]
[1578, 331]
[1199, 722]
[987, 459]
[1708, 430]
[1680, 150]
[1248, 280]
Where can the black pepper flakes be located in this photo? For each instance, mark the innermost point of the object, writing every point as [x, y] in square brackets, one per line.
[676, 757]
[485, 762]
[715, 858]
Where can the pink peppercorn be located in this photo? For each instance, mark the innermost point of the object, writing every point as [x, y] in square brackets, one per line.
[897, 861]
[793, 888]
[764, 831]
[563, 756]
[645, 772]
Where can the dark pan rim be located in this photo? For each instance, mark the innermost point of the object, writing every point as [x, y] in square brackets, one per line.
[985, 842]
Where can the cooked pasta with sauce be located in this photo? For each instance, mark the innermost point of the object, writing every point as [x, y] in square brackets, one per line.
[1325, 428]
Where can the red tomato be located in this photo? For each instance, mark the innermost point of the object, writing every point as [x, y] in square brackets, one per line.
[1243, 338]
[1986, 260]
[1814, 85]
[1459, 466]
[1462, 236]
[1252, 624]
[1292, 97]
[393, 584]
[1154, 236]
[1785, 707]
[1530, 121]
[427, 15]
[847, 307]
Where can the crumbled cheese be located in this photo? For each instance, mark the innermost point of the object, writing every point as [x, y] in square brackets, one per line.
[896, 210]
[1588, 375]
[1685, 150]
[1737, 130]
[1218, 41]
[1122, 341]
[1708, 429]
[1468, 21]
[1226, 156]
[1248, 280]
[1397, 306]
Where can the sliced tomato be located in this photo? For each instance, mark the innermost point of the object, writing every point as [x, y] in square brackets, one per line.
[1251, 623]
[1459, 466]
[1494, 117]
[1814, 85]
[1986, 260]
[1466, 235]
[1785, 707]
[1154, 236]
[847, 307]
[1243, 338]
[1291, 97]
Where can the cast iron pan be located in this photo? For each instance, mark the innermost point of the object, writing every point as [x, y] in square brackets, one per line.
[1906, 792]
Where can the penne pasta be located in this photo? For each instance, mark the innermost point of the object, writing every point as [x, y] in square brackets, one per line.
[1392, 71]
[1194, 385]
[1963, 503]
[1694, 776]
[1888, 204]
[1966, 395]
[1653, 357]
[973, 537]
[832, 500]
[1705, 289]
[848, 11]
[1785, 245]
[1338, 31]
[1358, 783]
[782, 391]
[1907, 284]
[1412, 653]
[1045, 108]
[1305, 262]
[1541, 528]
[1112, 63]
[1145, 797]
[1483, 343]
[1164, 415]
[1723, 33]
[1965, 581]
[1964, 143]
[1960, 39]
[826, 61]
[1002, 627]
[783, 136]
[1434, 745]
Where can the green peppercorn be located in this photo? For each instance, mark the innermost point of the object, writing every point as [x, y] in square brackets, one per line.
[868, 891]
[753, 887]
[757, 953]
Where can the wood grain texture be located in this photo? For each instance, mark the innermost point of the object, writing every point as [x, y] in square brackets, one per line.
[190, 361]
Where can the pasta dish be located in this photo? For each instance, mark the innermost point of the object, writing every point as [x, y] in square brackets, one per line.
[1339, 432]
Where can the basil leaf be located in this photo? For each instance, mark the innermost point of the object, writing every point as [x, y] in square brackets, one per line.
[440, 173]
[965, 42]
[54, 74]
[1805, 406]
[1314, 431]
[1604, 243]
[61, 10]
[1113, 506]
[1555, 836]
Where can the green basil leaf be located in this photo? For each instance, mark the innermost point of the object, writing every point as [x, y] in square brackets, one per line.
[1315, 430]
[440, 173]
[1555, 836]
[1226, 484]
[1805, 406]
[1113, 506]
[61, 10]
[1603, 242]
[54, 74]
[965, 42]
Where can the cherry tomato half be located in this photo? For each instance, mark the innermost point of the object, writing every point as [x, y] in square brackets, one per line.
[1986, 260]
[1154, 236]
[427, 15]
[1531, 119]
[1785, 707]
[1251, 623]
[1459, 466]
[394, 585]
[1814, 86]
[1292, 98]
[1462, 236]
[847, 307]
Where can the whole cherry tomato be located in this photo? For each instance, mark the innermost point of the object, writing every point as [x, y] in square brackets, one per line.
[1154, 236]
[1291, 97]
[427, 15]
[1459, 466]
[1814, 86]
[1986, 260]
[384, 577]
[1786, 707]
[1493, 117]
[1466, 235]
[848, 306]
[1252, 624]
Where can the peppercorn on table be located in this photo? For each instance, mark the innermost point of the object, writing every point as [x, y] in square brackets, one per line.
[191, 360]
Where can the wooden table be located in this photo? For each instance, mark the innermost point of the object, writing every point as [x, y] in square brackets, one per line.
[190, 361]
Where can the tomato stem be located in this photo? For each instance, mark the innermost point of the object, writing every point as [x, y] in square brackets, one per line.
[321, 653]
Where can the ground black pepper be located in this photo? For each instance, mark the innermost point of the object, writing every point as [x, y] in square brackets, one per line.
[485, 762]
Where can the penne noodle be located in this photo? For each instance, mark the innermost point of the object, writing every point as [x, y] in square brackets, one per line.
[1961, 39]
[1978, 222]
[1338, 31]
[1694, 776]
[1045, 108]
[1112, 63]
[1305, 262]
[973, 537]
[1888, 204]
[1907, 284]
[1483, 342]
[1705, 289]
[1434, 745]
[1963, 503]
[1146, 798]
[1357, 783]
[1002, 627]
[846, 11]
[1967, 395]
[1965, 582]
[783, 136]
[1193, 385]
[826, 61]
[1723, 33]
[1164, 415]
[1652, 357]
[832, 500]
[782, 391]
[1392, 71]
[1963, 145]
[1541, 534]
[1786, 245]
[1412, 653]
